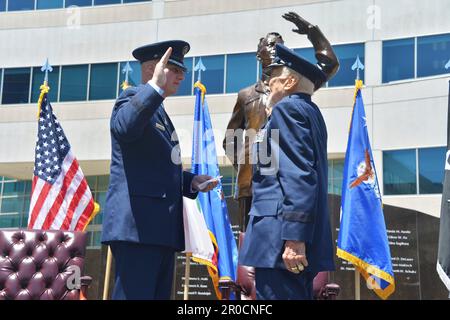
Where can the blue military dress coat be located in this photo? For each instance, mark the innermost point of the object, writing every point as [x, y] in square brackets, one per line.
[144, 200]
[290, 188]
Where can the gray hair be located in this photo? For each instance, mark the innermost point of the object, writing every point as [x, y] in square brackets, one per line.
[304, 84]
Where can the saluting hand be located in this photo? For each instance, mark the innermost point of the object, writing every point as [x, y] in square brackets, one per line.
[160, 74]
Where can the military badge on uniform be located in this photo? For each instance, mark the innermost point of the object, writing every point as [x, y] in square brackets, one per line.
[160, 126]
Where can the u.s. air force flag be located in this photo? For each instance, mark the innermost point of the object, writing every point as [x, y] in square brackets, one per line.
[443, 263]
[212, 204]
[362, 236]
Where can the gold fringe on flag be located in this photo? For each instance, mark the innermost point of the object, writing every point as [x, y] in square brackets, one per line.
[93, 214]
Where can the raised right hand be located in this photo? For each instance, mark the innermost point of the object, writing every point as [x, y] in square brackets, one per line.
[160, 74]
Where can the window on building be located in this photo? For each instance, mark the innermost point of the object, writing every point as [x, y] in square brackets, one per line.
[95, 238]
[431, 170]
[99, 187]
[16, 85]
[129, 1]
[79, 3]
[14, 202]
[102, 183]
[185, 88]
[401, 176]
[241, 71]
[13, 205]
[2, 5]
[228, 180]
[19, 5]
[134, 77]
[49, 4]
[102, 2]
[347, 55]
[74, 83]
[399, 172]
[212, 78]
[38, 80]
[433, 53]
[398, 59]
[103, 81]
[10, 220]
[335, 176]
[14, 188]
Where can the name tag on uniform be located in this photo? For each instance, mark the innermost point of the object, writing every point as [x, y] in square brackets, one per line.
[160, 126]
[260, 136]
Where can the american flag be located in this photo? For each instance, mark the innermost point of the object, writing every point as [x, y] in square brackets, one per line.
[60, 196]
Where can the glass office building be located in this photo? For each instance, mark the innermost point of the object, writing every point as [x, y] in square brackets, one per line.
[89, 42]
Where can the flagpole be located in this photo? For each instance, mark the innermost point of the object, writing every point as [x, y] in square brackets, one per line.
[107, 274]
[357, 66]
[46, 68]
[126, 70]
[187, 271]
[357, 285]
[187, 274]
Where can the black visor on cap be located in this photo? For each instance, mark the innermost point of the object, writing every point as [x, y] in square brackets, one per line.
[155, 51]
[289, 58]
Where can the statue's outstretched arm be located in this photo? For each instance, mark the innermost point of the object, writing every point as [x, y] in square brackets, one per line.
[326, 58]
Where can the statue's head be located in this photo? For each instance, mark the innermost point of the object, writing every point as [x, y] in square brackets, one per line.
[266, 48]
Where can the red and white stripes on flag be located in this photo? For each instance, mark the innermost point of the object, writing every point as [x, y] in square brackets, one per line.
[60, 196]
[65, 205]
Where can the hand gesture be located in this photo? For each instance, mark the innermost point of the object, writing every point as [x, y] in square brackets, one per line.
[301, 24]
[160, 74]
[198, 183]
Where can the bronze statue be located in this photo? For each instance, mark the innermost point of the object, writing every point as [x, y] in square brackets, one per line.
[250, 111]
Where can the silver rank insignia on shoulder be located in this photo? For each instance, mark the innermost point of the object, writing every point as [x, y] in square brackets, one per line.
[260, 136]
[160, 126]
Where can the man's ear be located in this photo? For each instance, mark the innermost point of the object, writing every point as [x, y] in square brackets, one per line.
[148, 68]
[291, 82]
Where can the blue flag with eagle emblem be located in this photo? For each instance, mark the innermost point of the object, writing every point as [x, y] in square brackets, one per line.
[362, 236]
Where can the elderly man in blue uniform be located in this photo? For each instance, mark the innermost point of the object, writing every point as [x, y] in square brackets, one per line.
[288, 238]
[143, 215]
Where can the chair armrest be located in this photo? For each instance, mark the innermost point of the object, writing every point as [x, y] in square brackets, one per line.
[86, 280]
[85, 283]
[227, 287]
[330, 291]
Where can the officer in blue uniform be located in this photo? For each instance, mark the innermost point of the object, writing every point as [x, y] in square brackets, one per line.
[288, 238]
[143, 215]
